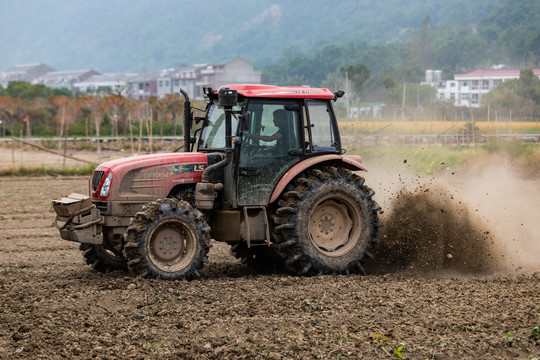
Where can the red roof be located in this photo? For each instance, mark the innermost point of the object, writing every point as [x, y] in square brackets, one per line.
[489, 73]
[271, 91]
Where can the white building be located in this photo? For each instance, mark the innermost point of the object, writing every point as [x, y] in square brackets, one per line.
[64, 79]
[106, 84]
[467, 89]
[185, 78]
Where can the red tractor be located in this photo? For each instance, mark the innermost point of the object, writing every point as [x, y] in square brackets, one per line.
[269, 178]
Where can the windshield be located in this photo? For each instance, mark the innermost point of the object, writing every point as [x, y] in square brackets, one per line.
[213, 132]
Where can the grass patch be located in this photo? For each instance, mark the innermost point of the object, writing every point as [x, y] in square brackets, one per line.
[425, 160]
[524, 156]
[513, 148]
[387, 126]
[48, 171]
[432, 159]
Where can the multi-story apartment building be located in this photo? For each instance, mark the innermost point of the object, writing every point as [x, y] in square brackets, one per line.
[194, 78]
[468, 89]
[185, 78]
[235, 71]
[144, 85]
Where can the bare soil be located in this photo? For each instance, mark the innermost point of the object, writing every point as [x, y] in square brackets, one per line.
[456, 276]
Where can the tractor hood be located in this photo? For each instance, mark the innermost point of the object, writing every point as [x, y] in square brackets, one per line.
[152, 176]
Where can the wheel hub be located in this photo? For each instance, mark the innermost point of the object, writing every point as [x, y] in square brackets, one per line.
[168, 244]
[331, 226]
[326, 225]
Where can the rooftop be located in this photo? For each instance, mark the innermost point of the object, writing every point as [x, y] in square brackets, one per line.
[490, 73]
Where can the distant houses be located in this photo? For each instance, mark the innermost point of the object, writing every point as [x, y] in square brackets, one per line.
[140, 86]
[64, 79]
[27, 73]
[105, 84]
[464, 90]
[143, 86]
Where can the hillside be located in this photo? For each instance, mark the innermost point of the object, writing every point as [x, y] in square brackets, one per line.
[121, 35]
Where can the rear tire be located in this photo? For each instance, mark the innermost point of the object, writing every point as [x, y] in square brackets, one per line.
[326, 223]
[168, 239]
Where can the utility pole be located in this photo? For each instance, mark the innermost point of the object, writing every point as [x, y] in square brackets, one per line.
[403, 101]
[404, 93]
[347, 92]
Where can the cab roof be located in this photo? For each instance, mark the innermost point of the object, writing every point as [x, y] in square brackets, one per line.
[271, 91]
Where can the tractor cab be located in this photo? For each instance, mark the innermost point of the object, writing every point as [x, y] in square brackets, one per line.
[271, 130]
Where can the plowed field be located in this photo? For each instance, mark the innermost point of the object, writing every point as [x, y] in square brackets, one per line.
[456, 276]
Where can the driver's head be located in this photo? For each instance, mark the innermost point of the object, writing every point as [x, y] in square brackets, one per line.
[280, 118]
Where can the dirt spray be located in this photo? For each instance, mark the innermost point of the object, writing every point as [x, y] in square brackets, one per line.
[466, 221]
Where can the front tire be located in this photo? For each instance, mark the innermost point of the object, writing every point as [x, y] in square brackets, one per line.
[103, 257]
[168, 239]
[326, 223]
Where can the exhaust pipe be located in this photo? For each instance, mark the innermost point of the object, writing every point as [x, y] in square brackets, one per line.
[205, 191]
[188, 120]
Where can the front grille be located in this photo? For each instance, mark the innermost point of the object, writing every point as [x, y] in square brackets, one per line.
[103, 207]
[96, 179]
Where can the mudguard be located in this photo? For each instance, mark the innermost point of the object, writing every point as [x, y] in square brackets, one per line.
[351, 162]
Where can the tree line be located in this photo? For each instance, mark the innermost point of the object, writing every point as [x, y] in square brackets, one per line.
[60, 113]
[52, 113]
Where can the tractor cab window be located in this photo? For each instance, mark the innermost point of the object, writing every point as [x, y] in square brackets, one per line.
[213, 132]
[266, 148]
[272, 128]
[321, 135]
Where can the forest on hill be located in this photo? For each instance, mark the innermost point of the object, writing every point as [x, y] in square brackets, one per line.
[509, 34]
[122, 35]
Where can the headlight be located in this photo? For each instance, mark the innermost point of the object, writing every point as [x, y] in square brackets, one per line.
[106, 186]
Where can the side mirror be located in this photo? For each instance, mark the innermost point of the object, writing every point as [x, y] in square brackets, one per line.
[338, 94]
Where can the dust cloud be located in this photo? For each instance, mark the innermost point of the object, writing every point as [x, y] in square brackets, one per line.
[474, 219]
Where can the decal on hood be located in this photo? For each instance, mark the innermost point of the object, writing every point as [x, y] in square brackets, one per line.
[186, 168]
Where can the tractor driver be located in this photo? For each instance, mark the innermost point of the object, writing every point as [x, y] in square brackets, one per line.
[280, 121]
